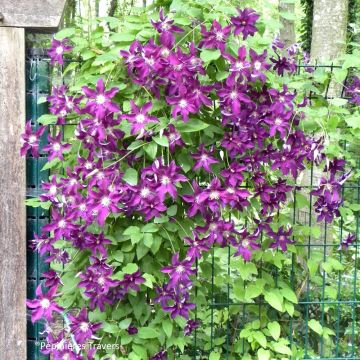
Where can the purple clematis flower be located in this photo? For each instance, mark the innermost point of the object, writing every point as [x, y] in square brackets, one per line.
[191, 325]
[216, 37]
[179, 271]
[281, 238]
[174, 137]
[30, 140]
[82, 328]
[165, 24]
[204, 159]
[139, 118]
[99, 100]
[132, 281]
[57, 50]
[44, 305]
[244, 22]
[347, 241]
[56, 148]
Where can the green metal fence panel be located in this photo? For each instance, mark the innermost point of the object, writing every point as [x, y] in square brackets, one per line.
[37, 86]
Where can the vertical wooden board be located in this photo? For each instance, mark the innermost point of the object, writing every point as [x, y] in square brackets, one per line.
[12, 195]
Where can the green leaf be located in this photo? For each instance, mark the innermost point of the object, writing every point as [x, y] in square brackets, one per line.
[151, 149]
[275, 299]
[162, 141]
[47, 119]
[253, 291]
[41, 100]
[191, 126]
[110, 328]
[172, 210]
[130, 268]
[64, 33]
[338, 101]
[141, 250]
[274, 329]
[168, 327]
[353, 121]
[124, 324]
[149, 280]
[214, 355]
[260, 338]
[131, 176]
[208, 55]
[282, 348]
[147, 332]
[289, 294]
[315, 326]
[122, 37]
[50, 164]
[131, 230]
[263, 354]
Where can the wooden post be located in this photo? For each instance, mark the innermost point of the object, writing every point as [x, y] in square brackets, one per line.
[15, 17]
[12, 195]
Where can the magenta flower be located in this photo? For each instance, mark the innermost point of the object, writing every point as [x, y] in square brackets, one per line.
[82, 328]
[347, 241]
[30, 140]
[139, 118]
[196, 247]
[56, 148]
[58, 49]
[244, 22]
[191, 325]
[179, 271]
[204, 159]
[174, 137]
[165, 24]
[132, 281]
[183, 104]
[44, 305]
[99, 100]
[216, 37]
[281, 238]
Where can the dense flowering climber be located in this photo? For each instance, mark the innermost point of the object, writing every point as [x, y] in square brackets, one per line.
[122, 165]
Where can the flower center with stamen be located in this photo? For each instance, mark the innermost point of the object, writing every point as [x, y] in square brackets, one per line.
[144, 192]
[165, 180]
[53, 189]
[45, 303]
[59, 50]
[239, 65]
[140, 118]
[214, 195]
[278, 121]
[183, 103]
[204, 157]
[180, 269]
[84, 326]
[62, 224]
[245, 243]
[233, 95]
[105, 201]
[32, 139]
[101, 280]
[219, 36]
[56, 147]
[100, 99]
[257, 65]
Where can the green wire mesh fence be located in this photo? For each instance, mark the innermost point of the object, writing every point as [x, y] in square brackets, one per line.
[330, 298]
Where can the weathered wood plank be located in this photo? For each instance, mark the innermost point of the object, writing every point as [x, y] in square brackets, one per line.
[12, 195]
[38, 14]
